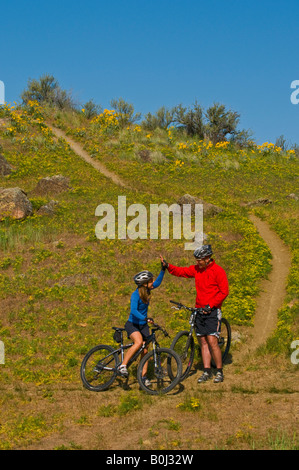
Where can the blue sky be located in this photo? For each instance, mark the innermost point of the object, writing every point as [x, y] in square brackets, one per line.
[161, 53]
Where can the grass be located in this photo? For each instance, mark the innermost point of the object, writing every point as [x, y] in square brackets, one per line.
[279, 440]
[128, 402]
[190, 404]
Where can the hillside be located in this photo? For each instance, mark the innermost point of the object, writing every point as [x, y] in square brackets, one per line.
[62, 288]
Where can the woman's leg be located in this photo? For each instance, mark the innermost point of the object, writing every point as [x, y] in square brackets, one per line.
[136, 337]
[144, 370]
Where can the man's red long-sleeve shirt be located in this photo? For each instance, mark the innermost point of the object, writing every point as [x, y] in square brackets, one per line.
[211, 283]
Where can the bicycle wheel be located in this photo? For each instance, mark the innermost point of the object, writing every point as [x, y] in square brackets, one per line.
[224, 340]
[93, 373]
[158, 374]
[183, 345]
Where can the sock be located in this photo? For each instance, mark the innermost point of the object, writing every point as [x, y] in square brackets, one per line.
[219, 370]
[207, 369]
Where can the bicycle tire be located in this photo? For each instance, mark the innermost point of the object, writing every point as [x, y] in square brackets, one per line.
[183, 345]
[224, 340]
[161, 380]
[91, 371]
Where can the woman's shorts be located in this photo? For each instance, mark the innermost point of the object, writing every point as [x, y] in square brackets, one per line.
[208, 324]
[132, 327]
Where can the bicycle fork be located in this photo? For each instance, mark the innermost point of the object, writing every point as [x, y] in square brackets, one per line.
[158, 366]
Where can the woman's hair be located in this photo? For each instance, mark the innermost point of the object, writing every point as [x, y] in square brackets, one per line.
[144, 293]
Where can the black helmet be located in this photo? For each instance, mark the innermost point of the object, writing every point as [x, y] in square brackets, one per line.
[143, 277]
[203, 251]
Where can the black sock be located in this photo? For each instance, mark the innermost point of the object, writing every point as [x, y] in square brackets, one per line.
[207, 369]
[219, 370]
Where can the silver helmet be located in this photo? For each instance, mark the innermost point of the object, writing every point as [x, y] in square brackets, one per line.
[203, 251]
[143, 277]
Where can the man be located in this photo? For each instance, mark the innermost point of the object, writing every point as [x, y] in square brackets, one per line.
[211, 289]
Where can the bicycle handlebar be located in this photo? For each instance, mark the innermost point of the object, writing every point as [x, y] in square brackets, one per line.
[177, 303]
[158, 327]
[184, 306]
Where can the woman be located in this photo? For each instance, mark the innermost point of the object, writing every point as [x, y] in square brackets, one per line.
[136, 327]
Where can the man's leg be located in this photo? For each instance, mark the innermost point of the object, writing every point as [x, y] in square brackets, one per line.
[205, 351]
[206, 358]
[215, 350]
[217, 356]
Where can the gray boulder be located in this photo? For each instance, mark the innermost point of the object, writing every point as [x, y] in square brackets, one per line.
[5, 167]
[52, 184]
[262, 201]
[208, 208]
[48, 209]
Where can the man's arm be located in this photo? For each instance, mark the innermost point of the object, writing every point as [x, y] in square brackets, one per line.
[181, 272]
[222, 282]
[177, 271]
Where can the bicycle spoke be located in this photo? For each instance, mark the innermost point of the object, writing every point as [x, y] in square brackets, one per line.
[98, 368]
[164, 373]
[183, 345]
[224, 340]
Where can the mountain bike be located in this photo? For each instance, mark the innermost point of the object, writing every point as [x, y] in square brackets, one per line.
[183, 342]
[99, 367]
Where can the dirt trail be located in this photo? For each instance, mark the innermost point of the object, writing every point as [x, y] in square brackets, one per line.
[77, 148]
[273, 289]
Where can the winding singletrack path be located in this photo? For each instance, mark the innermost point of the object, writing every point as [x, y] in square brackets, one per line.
[77, 148]
[273, 289]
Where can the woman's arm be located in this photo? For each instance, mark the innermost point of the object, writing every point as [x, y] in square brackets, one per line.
[134, 306]
[159, 279]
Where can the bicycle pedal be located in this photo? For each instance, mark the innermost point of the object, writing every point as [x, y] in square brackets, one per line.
[120, 374]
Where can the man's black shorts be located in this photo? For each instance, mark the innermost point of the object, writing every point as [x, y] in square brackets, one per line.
[208, 323]
[132, 327]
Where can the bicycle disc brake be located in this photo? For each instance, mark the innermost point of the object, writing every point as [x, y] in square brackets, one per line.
[160, 373]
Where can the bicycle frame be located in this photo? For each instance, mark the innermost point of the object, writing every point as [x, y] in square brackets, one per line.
[162, 365]
[191, 318]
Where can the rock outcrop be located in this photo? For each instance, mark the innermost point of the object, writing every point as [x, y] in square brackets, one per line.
[208, 208]
[52, 185]
[14, 203]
